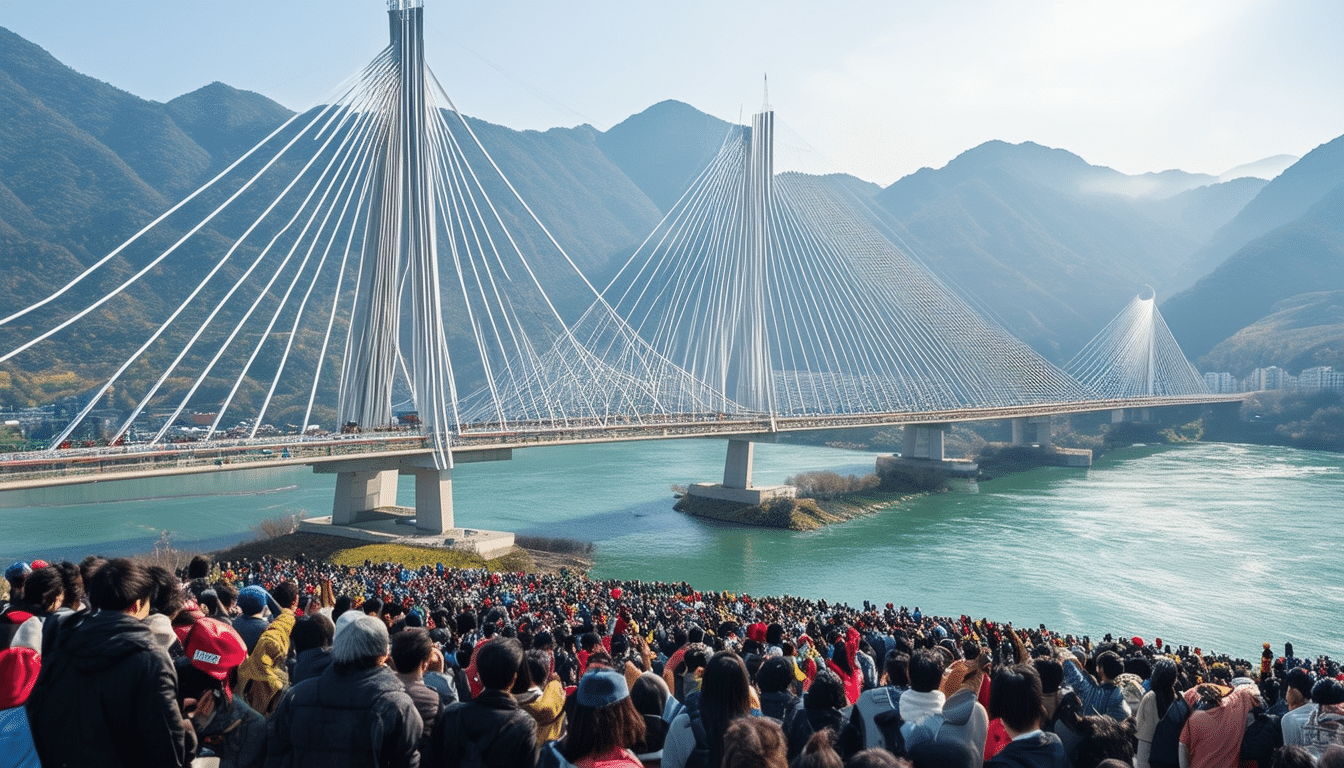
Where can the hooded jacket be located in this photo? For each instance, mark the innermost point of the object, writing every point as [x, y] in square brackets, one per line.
[106, 696]
[960, 718]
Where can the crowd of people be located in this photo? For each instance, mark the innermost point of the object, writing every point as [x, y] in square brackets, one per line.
[281, 662]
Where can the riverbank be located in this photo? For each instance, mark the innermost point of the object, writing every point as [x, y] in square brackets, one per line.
[342, 551]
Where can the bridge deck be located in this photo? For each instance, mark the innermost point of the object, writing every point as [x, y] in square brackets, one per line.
[92, 465]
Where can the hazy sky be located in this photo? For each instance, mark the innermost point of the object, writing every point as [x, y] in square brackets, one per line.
[874, 88]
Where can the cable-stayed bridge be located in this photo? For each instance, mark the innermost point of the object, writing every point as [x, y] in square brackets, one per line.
[369, 266]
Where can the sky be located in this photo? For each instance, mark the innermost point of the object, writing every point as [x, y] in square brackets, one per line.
[874, 88]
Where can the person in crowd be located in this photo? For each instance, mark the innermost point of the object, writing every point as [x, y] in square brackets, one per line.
[1102, 738]
[1297, 684]
[252, 603]
[1102, 697]
[1015, 698]
[877, 717]
[107, 693]
[754, 742]
[264, 676]
[650, 696]
[875, 757]
[1291, 756]
[724, 696]
[14, 575]
[19, 668]
[930, 715]
[490, 730]
[1212, 734]
[819, 751]
[164, 607]
[603, 724]
[1325, 727]
[825, 708]
[775, 680]
[310, 641]
[844, 663]
[328, 721]
[545, 697]
[42, 596]
[225, 726]
[412, 653]
[1152, 710]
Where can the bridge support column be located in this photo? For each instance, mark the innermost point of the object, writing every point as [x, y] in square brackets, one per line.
[360, 491]
[365, 505]
[923, 441]
[1032, 430]
[737, 465]
[433, 499]
[1131, 415]
[736, 487]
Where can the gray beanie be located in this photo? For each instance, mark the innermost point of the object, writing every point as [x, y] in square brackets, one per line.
[363, 638]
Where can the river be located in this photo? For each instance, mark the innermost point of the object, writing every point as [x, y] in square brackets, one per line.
[1217, 544]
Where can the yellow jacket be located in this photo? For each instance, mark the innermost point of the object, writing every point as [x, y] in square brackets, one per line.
[263, 675]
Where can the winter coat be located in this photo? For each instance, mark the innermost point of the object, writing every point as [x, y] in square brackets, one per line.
[263, 675]
[345, 718]
[236, 733]
[1043, 750]
[489, 730]
[106, 696]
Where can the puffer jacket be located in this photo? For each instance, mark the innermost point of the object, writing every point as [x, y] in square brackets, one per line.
[344, 719]
[106, 696]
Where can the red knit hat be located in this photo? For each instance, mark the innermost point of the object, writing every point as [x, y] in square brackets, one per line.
[214, 647]
[18, 672]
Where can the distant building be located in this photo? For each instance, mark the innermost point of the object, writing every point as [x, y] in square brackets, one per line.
[1272, 377]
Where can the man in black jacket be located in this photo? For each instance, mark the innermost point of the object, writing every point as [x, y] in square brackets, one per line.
[107, 693]
[490, 731]
[356, 713]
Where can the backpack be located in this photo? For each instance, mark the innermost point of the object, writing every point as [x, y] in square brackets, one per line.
[889, 725]
[1165, 752]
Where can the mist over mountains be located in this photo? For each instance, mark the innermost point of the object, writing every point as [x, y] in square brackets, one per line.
[1038, 239]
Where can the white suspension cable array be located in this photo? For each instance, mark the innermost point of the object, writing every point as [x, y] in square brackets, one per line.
[1135, 355]
[849, 323]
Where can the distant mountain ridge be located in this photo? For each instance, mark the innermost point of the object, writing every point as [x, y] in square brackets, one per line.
[1036, 237]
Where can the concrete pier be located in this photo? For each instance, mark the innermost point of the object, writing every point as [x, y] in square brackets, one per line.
[923, 441]
[1032, 430]
[736, 486]
[365, 503]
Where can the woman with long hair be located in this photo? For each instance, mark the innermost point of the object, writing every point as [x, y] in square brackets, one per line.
[1153, 707]
[724, 696]
[603, 725]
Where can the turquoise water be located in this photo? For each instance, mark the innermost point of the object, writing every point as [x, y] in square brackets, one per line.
[1222, 545]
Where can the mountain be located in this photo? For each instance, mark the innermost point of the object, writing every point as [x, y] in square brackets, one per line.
[224, 121]
[1300, 332]
[1282, 200]
[1050, 245]
[664, 148]
[1304, 254]
[1267, 168]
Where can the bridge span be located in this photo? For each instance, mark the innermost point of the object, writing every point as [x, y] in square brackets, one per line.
[45, 469]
